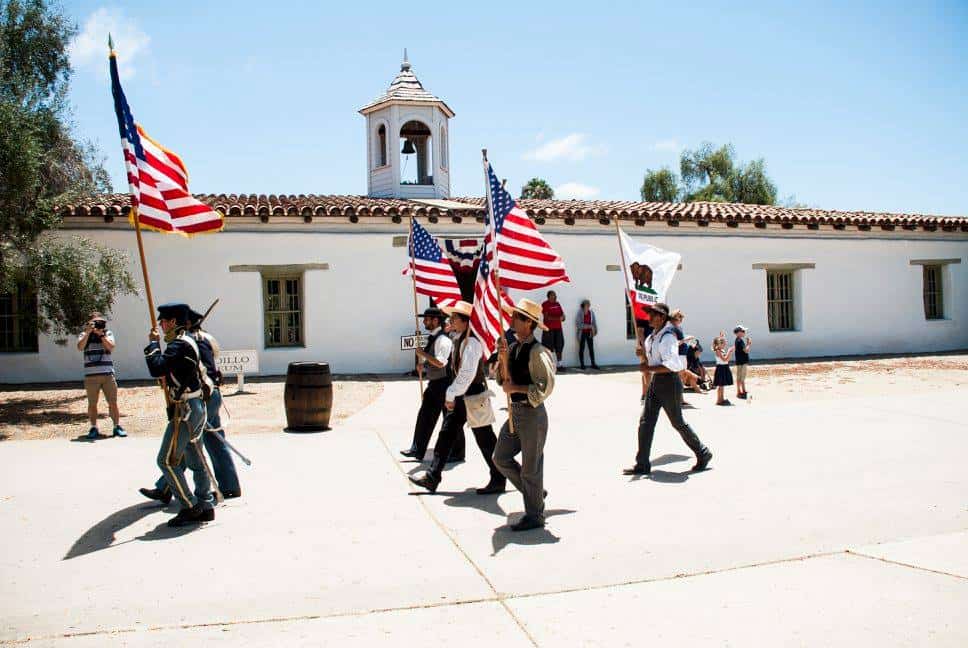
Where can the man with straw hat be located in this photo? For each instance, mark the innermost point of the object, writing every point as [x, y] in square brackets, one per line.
[434, 364]
[467, 400]
[527, 374]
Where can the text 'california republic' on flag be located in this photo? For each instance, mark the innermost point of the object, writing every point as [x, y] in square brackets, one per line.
[433, 275]
[157, 178]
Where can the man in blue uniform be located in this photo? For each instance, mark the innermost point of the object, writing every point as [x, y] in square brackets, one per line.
[226, 476]
[180, 366]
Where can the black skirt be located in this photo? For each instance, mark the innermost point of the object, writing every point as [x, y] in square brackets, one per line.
[723, 376]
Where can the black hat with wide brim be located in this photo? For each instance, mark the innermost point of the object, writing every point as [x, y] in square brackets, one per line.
[435, 312]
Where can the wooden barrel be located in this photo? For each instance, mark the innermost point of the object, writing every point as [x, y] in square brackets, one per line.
[308, 396]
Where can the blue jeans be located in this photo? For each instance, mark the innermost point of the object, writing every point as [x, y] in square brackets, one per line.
[178, 450]
[222, 464]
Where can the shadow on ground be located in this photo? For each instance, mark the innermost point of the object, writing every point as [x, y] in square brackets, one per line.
[41, 411]
[102, 535]
[504, 536]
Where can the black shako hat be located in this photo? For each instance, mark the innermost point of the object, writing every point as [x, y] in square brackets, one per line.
[435, 312]
[177, 311]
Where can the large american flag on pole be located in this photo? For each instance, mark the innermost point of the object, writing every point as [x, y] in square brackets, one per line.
[433, 275]
[525, 259]
[157, 178]
[514, 247]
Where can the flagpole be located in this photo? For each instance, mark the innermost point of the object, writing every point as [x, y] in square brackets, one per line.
[625, 280]
[416, 314]
[502, 368]
[141, 251]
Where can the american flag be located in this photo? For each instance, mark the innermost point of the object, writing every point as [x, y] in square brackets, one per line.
[157, 178]
[523, 257]
[433, 275]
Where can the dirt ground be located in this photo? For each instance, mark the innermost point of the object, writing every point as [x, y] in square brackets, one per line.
[822, 380]
[45, 412]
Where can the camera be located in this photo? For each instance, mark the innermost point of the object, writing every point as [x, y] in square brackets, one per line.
[100, 324]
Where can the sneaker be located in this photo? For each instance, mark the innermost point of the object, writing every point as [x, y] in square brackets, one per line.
[725, 403]
[743, 395]
[119, 431]
[92, 433]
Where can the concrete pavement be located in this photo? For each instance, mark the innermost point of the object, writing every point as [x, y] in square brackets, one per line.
[840, 522]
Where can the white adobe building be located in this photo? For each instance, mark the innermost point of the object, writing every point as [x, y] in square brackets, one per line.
[318, 277]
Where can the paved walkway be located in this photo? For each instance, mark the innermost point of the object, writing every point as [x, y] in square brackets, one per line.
[839, 523]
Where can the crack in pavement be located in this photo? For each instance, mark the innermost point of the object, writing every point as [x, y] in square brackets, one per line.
[497, 598]
[440, 525]
[860, 554]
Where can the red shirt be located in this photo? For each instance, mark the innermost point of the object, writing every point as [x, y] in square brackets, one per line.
[553, 313]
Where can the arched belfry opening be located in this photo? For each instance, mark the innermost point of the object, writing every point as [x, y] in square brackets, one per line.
[416, 147]
[407, 138]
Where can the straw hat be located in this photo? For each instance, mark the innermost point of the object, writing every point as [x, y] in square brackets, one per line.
[461, 308]
[528, 308]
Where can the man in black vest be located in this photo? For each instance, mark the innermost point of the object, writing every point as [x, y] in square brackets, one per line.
[467, 367]
[180, 366]
[434, 359]
[661, 360]
[527, 374]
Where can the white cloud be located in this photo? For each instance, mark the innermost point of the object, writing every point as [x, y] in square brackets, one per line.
[571, 147]
[670, 145]
[90, 48]
[575, 190]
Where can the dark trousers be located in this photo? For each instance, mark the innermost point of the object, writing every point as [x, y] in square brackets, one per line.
[665, 393]
[528, 440]
[453, 430]
[430, 408]
[586, 338]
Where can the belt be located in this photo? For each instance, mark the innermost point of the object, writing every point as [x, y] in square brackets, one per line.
[184, 398]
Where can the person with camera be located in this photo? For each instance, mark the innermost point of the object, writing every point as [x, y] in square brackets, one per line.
[97, 342]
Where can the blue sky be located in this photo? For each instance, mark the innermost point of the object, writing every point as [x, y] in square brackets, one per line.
[853, 107]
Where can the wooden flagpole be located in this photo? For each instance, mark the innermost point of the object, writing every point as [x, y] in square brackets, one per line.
[416, 308]
[625, 280]
[151, 299]
[496, 269]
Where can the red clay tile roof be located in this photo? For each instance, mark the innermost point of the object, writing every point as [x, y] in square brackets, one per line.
[355, 208]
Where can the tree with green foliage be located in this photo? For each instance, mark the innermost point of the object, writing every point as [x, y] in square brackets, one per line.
[42, 166]
[711, 174]
[660, 186]
[537, 188]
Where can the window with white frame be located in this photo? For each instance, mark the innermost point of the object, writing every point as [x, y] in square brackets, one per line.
[283, 306]
[780, 300]
[380, 159]
[933, 291]
[18, 320]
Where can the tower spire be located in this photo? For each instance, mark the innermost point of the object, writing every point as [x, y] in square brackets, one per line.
[405, 66]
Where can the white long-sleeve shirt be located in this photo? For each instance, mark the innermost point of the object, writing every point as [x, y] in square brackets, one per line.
[471, 353]
[662, 348]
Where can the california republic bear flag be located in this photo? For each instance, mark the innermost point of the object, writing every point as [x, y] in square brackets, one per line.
[649, 273]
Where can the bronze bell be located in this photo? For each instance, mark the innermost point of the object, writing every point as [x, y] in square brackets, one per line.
[408, 148]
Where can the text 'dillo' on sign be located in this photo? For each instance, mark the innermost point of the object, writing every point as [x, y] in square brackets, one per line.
[411, 342]
[238, 362]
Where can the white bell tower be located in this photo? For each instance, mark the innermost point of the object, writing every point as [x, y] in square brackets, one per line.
[407, 141]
